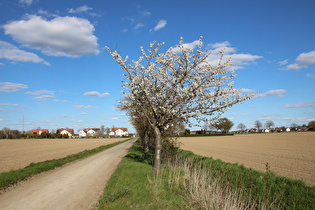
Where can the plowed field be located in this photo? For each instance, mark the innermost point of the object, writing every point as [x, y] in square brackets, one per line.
[18, 153]
[288, 154]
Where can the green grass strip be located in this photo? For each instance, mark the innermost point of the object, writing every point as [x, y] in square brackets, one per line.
[10, 178]
[283, 192]
[130, 187]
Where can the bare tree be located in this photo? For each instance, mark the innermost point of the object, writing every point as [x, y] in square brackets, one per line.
[258, 124]
[241, 126]
[179, 85]
[269, 124]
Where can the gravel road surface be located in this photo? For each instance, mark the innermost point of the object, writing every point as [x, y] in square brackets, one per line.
[75, 186]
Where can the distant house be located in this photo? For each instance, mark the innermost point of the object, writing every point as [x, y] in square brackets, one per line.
[302, 128]
[287, 129]
[266, 130]
[66, 131]
[119, 132]
[82, 134]
[39, 131]
[88, 132]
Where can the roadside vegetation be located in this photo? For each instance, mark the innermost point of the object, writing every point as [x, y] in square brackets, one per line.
[189, 181]
[10, 178]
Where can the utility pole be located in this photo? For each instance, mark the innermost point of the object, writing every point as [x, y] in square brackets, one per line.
[23, 123]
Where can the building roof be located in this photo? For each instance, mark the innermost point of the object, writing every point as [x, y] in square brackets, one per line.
[88, 129]
[67, 129]
[36, 131]
[123, 129]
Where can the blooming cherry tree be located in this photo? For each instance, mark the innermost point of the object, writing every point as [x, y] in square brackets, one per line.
[178, 85]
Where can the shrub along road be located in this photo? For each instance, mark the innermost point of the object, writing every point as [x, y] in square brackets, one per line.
[75, 186]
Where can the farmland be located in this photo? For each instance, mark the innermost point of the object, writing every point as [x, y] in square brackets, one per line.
[288, 154]
[18, 153]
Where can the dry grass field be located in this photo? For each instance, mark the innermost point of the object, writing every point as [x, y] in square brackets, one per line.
[18, 153]
[288, 154]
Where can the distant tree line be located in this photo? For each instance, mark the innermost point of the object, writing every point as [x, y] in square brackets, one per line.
[270, 126]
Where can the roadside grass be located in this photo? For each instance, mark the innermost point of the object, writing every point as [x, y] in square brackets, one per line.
[189, 181]
[131, 186]
[10, 178]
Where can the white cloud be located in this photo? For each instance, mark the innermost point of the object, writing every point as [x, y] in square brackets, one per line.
[145, 13]
[272, 115]
[83, 8]
[11, 87]
[245, 90]
[2, 110]
[303, 60]
[161, 24]
[237, 60]
[61, 36]
[26, 2]
[191, 46]
[84, 113]
[139, 25]
[11, 52]
[12, 105]
[4, 119]
[40, 92]
[43, 97]
[310, 75]
[85, 107]
[277, 93]
[284, 62]
[95, 93]
[300, 105]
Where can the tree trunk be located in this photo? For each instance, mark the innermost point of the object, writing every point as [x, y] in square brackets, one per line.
[146, 144]
[158, 148]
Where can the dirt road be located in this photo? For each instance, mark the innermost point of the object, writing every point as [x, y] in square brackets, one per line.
[75, 186]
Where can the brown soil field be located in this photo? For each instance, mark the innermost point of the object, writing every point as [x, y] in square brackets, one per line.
[288, 154]
[18, 153]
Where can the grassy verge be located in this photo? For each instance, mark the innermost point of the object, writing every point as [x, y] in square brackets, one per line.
[10, 178]
[190, 181]
[131, 186]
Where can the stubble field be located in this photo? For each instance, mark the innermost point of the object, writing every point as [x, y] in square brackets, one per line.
[18, 153]
[288, 154]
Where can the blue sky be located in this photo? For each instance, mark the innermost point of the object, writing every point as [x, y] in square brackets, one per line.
[55, 71]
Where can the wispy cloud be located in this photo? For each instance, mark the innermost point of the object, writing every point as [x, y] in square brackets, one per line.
[80, 9]
[277, 93]
[43, 97]
[13, 105]
[310, 75]
[161, 24]
[83, 9]
[95, 93]
[300, 105]
[303, 60]
[11, 87]
[138, 25]
[61, 36]
[26, 2]
[12, 53]
[245, 90]
[85, 106]
[284, 62]
[238, 61]
[40, 92]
